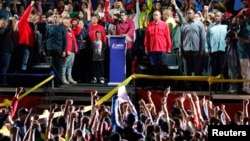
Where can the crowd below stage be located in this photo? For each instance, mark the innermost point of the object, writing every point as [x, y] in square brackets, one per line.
[187, 119]
[200, 37]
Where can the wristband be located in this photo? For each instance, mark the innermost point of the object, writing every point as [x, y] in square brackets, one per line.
[55, 136]
[156, 133]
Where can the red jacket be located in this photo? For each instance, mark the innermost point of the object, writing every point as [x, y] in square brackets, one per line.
[25, 31]
[14, 104]
[92, 31]
[71, 40]
[157, 37]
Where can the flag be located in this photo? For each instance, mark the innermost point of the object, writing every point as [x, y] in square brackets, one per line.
[122, 94]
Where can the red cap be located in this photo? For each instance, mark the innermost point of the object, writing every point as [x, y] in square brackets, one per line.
[73, 19]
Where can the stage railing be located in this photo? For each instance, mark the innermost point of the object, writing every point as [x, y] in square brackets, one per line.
[209, 79]
[7, 102]
[108, 96]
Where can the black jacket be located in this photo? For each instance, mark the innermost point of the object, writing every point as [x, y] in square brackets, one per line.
[6, 42]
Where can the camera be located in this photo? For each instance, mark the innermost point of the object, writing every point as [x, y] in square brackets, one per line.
[232, 29]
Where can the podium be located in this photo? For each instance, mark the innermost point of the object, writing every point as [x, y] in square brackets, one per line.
[117, 65]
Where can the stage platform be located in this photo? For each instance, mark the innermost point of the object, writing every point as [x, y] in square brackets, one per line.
[71, 88]
[44, 96]
[86, 88]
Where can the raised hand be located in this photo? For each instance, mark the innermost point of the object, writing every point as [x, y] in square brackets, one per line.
[245, 101]
[18, 91]
[167, 91]
[93, 93]
[35, 124]
[173, 2]
[74, 115]
[69, 102]
[149, 93]
[32, 3]
[141, 102]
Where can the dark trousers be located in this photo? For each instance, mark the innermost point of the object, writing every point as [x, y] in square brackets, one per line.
[192, 63]
[82, 65]
[5, 58]
[217, 63]
[56, 60]
[129, 58]
[156, 58]
[138, 48]
[98, 69]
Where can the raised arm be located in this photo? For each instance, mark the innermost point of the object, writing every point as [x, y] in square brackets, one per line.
[71, 127]
[151, 102]
[245, 108]
[27, 121]
[68, 103]
[108, 17]
[48, 126]
[25, 16]
[180, 104]
[14, 133]
[15, 101]
[146, 109]
[178, 11]
[150, 5]
[39, 7]
[227, 117]
[100, 129]
[33, 127]
[94, 98]
[197, 106]
[15, 6]
[164, 103]
[204, 108]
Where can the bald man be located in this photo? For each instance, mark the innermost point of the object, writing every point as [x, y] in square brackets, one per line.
[157, 40]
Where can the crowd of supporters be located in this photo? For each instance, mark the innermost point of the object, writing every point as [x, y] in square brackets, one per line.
[186, 120]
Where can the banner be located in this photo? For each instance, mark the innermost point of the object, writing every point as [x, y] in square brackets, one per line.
[117, 66]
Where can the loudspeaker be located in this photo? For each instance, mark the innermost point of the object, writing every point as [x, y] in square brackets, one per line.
[35, 75]
[156, 70]
[47, 68]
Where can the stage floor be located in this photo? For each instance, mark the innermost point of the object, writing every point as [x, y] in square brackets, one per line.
[86, 88]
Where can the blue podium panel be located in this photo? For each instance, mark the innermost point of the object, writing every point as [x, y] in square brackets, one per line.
[117, 67]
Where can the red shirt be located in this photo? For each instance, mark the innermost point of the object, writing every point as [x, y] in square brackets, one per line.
[157, 37]
[92, 32]
[25, 31]
[127, 27]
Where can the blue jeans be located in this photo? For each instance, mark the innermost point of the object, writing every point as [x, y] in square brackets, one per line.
[5, 58]
[67, 65]
[25, 57]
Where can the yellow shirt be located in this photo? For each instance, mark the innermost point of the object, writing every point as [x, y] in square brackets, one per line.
[143, 16]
